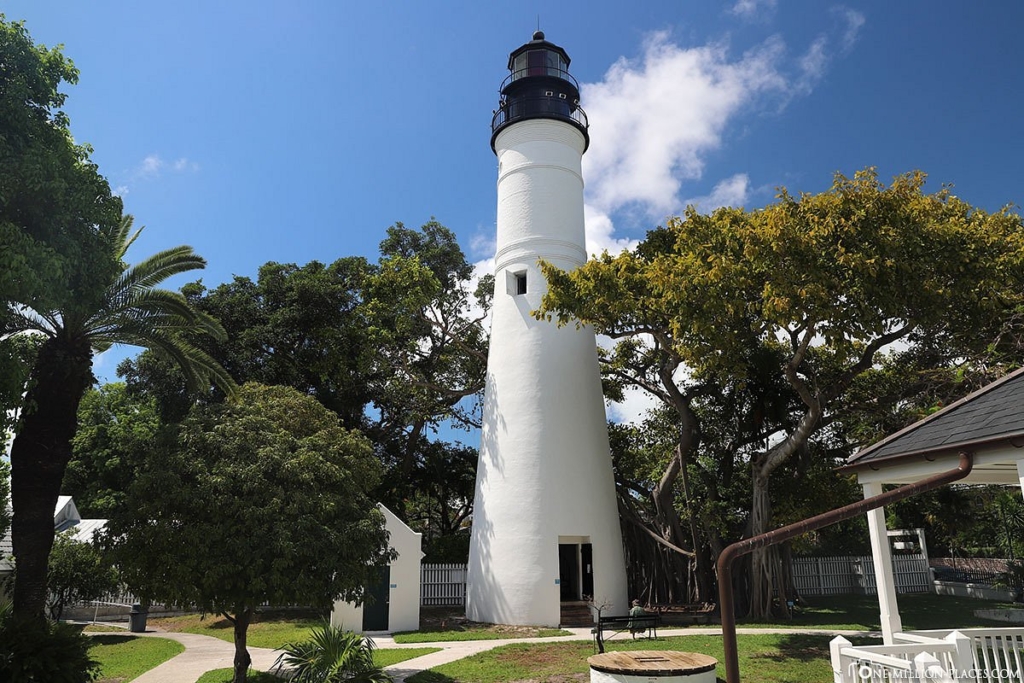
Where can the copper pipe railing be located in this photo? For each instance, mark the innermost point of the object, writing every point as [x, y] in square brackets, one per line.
[748, 545]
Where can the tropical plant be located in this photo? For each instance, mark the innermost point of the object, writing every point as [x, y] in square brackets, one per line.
[332, 655]
[44, 651]
[131, 310]
[78, 572]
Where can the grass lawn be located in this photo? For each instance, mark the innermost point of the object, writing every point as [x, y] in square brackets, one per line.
[767, 658]
[394, 655]
[479, 632]
[270, 630]
[860, 612]
[771, 658]
[125, 657]
[446, 624]
[381, 657]
[227, 675]
[273, 630]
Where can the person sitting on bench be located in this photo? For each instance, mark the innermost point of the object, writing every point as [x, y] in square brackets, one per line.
[639, 625]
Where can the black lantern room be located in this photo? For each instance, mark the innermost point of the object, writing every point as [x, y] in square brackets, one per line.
[539, 87]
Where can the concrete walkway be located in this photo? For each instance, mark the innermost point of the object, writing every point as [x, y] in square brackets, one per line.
[205, 653]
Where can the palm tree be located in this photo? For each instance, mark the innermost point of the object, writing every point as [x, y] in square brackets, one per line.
[131, 311]
[331, 655]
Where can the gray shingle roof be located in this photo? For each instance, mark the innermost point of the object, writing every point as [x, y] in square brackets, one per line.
[994, 412]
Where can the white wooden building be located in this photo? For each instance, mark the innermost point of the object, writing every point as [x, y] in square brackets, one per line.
[392, 603]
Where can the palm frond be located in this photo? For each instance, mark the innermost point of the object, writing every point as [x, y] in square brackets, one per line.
[332, 655]
[21, 319]
[155, 269]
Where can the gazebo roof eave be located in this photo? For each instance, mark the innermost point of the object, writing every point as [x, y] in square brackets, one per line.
[864, 456]
[1014, 440]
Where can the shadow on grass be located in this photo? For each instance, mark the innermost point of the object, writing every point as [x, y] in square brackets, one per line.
[429, 677]
[111, 638]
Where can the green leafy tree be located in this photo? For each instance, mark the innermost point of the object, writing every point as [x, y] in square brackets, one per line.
[78, 572]
[259, 499]
[130, 309]
[115, 433]
[51, 200]
[51, 195]
[823, 282]
[396, 349]
[427, 327]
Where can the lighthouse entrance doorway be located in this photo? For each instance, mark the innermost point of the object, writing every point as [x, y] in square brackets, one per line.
[575, 568]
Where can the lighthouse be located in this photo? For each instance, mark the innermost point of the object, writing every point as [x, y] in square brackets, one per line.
[545, 531]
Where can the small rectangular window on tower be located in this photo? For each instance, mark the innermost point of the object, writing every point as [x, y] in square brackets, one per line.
[520, 283]
[515, 282]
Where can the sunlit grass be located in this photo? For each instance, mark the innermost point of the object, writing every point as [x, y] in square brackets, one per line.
[125, 657]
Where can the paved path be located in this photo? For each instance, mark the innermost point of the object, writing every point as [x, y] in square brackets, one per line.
[204, 653]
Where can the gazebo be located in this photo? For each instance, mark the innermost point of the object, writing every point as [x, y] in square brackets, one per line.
[987, 428]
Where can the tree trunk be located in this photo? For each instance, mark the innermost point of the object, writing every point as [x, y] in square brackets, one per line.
[39, 456]
[766, 578]
[242, 658]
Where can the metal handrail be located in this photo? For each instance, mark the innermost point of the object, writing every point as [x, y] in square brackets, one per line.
[538, 107]
[534, 71]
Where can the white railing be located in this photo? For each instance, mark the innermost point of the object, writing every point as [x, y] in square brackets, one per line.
[993, 655]
[442, 584]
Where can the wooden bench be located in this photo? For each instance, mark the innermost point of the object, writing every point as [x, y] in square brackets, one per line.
[647, 625]
[698, 613]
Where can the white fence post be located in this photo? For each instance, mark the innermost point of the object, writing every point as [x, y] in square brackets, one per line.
[963, 657]
[927, 668]
[835, 646]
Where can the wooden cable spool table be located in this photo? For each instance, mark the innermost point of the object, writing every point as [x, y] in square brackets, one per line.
[644, 666]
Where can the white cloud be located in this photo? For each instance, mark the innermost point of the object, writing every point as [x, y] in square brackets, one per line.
[813, 64]
[654, 120]
[600, 235]
[732, 191]
[634, 408]
[154, 165]
[854, 21]
[150, 166]
[184, 164]
[483, 243]
[120, 191]
[748, 9]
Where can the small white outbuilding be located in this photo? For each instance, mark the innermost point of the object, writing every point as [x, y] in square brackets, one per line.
[392, 602]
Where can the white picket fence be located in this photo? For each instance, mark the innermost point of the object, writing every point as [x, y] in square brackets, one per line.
[442, 584]
[856, 574]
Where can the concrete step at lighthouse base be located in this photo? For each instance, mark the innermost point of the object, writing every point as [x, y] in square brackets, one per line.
[576, 614]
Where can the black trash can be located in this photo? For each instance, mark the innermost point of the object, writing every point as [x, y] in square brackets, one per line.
[137, 619]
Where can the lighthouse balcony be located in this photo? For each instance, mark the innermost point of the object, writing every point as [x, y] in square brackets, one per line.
[538, 107]
[540, 70]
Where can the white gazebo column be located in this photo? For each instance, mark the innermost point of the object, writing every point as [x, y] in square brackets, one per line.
[881, 555]
[1020, 475]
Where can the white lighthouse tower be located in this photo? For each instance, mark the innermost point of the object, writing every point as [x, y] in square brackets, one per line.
[545, 519]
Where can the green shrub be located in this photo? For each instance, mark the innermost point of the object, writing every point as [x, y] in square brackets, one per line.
[332, 655]
[35, 651]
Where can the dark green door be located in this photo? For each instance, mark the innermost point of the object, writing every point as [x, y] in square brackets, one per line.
[375, 609]
[587, 560]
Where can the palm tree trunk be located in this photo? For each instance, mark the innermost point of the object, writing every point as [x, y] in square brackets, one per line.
[39, 456]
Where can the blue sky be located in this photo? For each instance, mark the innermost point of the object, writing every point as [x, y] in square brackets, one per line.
[258, 131]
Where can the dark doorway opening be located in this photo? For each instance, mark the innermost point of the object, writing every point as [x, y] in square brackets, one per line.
[378, 596]
[568, 572]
